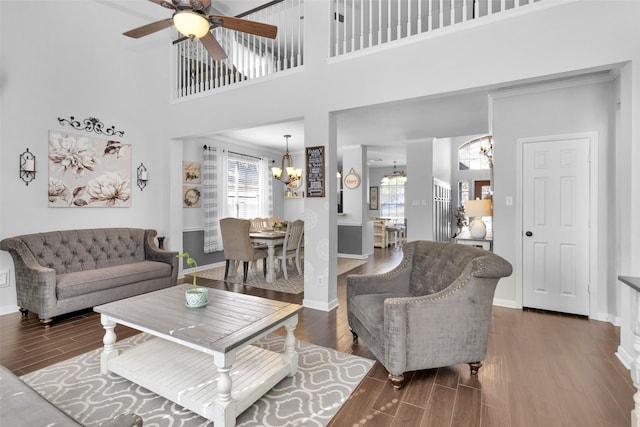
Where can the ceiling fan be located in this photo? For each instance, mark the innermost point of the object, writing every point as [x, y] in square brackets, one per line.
[190, 19]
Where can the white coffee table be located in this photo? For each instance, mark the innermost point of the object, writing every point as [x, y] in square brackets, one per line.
[202, 358]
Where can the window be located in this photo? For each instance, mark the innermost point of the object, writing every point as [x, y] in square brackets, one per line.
[243, 188]
[473, 154]
[463, 192]
[392, 198]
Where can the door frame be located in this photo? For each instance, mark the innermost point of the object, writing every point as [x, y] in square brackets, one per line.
[594, 262]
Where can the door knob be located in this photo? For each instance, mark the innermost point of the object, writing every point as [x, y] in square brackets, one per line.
[528, 234]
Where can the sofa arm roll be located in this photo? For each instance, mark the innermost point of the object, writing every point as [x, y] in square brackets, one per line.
[35, 284]
[395, 280]
[153, 253]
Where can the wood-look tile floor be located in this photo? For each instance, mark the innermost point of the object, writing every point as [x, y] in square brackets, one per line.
[542, 369]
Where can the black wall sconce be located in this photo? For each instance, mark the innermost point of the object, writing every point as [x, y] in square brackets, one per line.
[143, 176]
[27, 166]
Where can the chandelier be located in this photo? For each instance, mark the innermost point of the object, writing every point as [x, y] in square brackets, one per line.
[293, 177]
[395, 174]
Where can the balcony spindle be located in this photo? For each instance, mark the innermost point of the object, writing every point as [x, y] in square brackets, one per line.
[409, 6]
[419, 30]
[361, 26]
[353, 26]
[452, 16]
[389, 21]
[370, 23]
[399, 20]
[379, 22]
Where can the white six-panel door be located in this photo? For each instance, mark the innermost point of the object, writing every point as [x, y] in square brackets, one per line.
[555, 220]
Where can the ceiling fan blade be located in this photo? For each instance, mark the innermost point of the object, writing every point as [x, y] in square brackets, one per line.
[164, 3]
[145, 30]
[213, 47]
[246, 26]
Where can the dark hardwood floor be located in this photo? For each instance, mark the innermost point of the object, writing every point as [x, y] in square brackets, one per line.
[542, 369]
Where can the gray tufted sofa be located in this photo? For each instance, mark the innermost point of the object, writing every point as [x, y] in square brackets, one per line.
[60, 272]
[432, 310]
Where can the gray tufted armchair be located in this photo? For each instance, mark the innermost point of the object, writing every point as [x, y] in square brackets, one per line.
[432, 310]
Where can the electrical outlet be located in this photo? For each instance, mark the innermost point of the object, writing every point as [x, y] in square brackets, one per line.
[4, 279]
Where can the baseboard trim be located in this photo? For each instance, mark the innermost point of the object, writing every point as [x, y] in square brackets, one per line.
[317, 305]
[354, 256]
[624, 357]
[505, 303]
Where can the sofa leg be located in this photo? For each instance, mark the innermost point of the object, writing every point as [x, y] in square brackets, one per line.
[355, 336]
[24, 312]
[474, 367]
[397, 381]
[46, 322]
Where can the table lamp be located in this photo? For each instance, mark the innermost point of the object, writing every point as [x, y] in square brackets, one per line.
[476, 209]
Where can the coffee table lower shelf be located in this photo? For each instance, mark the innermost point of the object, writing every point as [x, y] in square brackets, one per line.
[189, 377]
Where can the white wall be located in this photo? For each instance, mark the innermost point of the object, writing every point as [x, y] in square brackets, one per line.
[74, 66]
[555, 111]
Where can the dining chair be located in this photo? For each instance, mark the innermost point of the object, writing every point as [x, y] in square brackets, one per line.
[237, 245]
[289, 248]
[258, 224]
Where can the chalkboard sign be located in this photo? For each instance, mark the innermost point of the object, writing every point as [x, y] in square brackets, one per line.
[315, 171]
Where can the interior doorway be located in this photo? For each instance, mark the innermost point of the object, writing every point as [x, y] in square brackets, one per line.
[556, 238]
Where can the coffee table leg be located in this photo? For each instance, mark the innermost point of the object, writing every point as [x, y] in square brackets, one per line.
[109, 351]
[225, 411]
[290, 344]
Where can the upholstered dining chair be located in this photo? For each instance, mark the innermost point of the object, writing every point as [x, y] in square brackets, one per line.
[289, 249]
[257, 224]
[432, 310]
[237, 245]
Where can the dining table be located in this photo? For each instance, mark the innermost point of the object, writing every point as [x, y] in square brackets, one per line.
[271, 239]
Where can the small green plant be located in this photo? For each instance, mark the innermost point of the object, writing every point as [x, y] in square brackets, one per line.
[191, 263]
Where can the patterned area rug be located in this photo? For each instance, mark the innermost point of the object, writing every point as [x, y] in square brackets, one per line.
[324, 381]
[294, 285]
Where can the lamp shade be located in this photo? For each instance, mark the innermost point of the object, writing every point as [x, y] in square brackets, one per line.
[191, 24]
[478, 208]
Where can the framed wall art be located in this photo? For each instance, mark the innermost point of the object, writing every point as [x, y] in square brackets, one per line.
[315, 171]
[191, 197]
[87, 171]
[373, 198]
[191, 172]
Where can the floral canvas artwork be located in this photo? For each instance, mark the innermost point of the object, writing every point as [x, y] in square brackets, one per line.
[86, 171]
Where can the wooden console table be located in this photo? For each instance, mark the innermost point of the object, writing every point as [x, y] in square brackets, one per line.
[465, 239]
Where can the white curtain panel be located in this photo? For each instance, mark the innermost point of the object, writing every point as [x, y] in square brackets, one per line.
[210, 200]
[266, 188]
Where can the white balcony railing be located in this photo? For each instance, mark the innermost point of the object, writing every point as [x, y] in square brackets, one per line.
[355, 25]
[249, 56]
[361, 24]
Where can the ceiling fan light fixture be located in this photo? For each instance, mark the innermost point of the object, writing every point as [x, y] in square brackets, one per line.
[191, 24]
